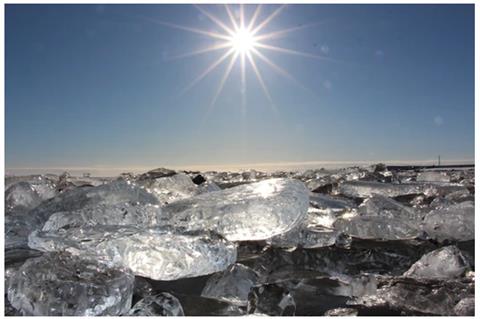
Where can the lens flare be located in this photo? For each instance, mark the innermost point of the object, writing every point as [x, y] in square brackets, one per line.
[242, 41]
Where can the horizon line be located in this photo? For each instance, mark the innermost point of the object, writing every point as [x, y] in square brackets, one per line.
[268, 166]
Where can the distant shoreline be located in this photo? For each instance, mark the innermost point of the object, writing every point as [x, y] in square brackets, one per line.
[265, 167]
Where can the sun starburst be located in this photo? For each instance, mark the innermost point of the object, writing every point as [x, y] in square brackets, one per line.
[242, 41]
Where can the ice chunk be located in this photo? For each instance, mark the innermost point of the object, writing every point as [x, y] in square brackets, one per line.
[141, 288]
[116, 192]
[312, 292]
[231, 285]
[433, 176]
[254, 211]
[170, 188]
[64, 285]
[418, 297]
[364, 189]
[465, 307]
[194, 305]
[382, 206]
[341, 312]
[377, 227]
[272, 300]
[456, 222]
[157, 173]
[326, 202]
[306, 237]
[444, 263]
[161, 304]
[157, 253]
[208, 187]
[460, 196]
[21, 196]
[17, 228]
[313, 232]
[117, 214]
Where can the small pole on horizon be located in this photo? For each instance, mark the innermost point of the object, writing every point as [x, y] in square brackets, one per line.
[438, 160]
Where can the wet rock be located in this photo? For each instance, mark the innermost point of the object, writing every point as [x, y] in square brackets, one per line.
[231, 285]
[199, 179]
[255, 211]
[157, 253]
[161, 304]
[65, 285]
[444, 263]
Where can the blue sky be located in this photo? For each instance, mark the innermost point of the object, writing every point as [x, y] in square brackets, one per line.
[92, 85]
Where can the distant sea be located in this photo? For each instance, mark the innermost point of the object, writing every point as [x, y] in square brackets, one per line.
[105, 171]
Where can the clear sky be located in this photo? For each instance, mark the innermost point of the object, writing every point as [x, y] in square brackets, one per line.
[93, 85]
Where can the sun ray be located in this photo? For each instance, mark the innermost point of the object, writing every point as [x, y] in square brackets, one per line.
[185, 28]
[208, 70]
[268, 19]
[215, 20]
[260, 79]
[242, 17]
[280, 70]
[255, 16]
[202, 51]
[294, 52]
[243, 38]
[224, 79]
[276, 34]
[274, 66]
[244, 84]
[232, 18]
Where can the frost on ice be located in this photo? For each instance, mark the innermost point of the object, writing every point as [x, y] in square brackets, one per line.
[64, 285]
[157, 253]
[254, 211]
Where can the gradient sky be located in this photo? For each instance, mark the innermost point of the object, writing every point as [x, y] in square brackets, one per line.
[96, 85]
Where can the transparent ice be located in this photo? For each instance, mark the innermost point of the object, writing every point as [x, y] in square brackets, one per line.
[157, 253]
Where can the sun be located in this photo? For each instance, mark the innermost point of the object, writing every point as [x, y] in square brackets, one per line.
[243, 41]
